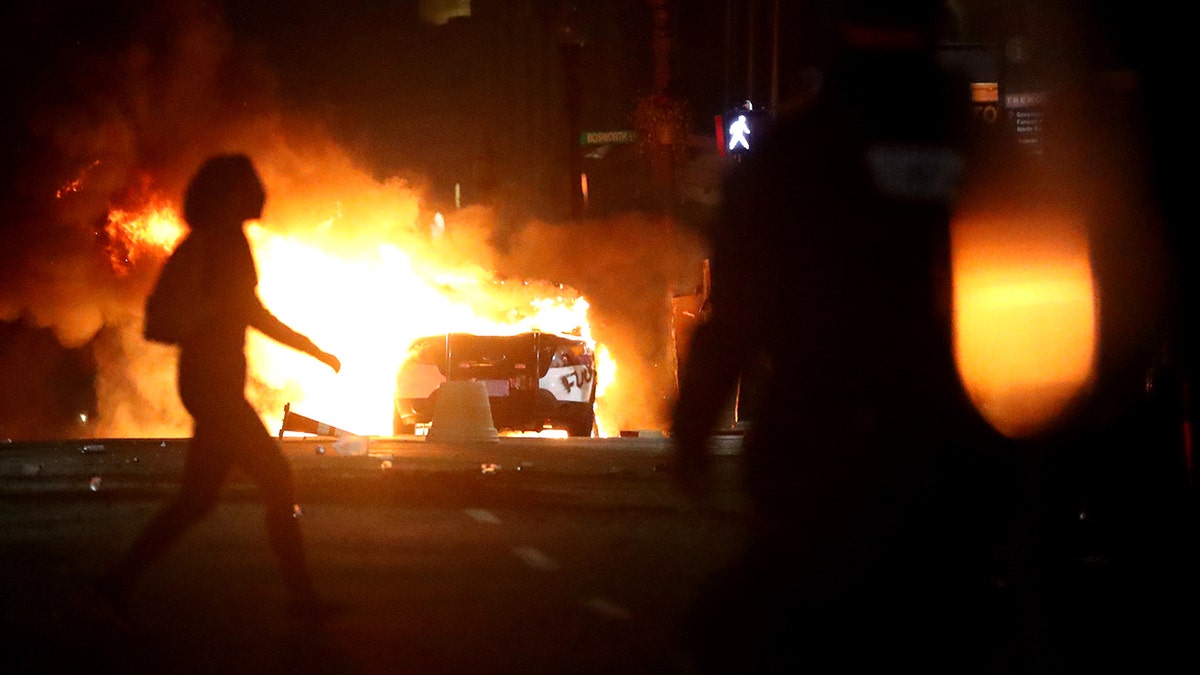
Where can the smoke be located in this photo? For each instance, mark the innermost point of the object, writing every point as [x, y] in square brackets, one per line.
[99, 113]
[628, 268]
[123, 104]
[110, 102]
[117, 105]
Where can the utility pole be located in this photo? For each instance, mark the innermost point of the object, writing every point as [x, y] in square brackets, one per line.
[666, 135]
[751, 23]
[728, 60]
[570, 46]
[774, 104]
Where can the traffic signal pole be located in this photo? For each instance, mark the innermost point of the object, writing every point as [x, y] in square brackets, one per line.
[571, 100]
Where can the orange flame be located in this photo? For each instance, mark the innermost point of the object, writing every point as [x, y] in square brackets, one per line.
[364, 301]
[156, 228]
[366, 306]
[75, 184]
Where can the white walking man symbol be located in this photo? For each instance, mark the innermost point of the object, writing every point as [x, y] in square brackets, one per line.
[738, 132]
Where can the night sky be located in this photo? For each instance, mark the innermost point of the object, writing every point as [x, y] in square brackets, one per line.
[407, 96]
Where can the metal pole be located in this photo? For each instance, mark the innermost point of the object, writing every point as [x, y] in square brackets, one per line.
[725, 100]
[774, 57]
[663, 158]
[750, 11]
[570, 46]
[571, 96]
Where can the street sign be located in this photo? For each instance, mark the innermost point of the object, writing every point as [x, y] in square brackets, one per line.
[606, 137]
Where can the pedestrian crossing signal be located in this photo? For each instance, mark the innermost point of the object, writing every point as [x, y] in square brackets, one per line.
[740, 130]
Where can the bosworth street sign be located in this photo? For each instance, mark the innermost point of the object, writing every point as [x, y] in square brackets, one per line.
[605, 137]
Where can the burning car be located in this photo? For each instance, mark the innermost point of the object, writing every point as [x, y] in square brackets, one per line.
[535, 380]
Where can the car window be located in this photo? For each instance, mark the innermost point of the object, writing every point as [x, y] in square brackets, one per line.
[499, 356]
[491, 356]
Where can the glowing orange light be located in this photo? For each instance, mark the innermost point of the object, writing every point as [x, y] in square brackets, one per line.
[159, 228]
[359, 277]
[75, 184]
[606, 376]
[367, 306]
[1024, 316]
[156, 228]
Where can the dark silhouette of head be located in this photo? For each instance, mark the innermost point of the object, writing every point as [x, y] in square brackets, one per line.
[224, 193]
[887, 25]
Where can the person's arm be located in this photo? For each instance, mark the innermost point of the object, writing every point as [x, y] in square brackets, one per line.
[237, 289]
[267, 323]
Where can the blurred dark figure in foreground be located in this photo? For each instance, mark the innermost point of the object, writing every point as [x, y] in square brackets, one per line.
[1136, 438]
[227, 433]
[877, 488]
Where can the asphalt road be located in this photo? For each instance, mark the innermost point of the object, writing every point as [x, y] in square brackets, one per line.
[521, 555]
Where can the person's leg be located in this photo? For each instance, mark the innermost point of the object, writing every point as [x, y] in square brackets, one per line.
[204, 472]
[263, 460]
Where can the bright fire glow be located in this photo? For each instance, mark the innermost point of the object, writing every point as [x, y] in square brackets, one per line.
[606, 373]
[367, 308]
[156, 228]
[363, 301]
[1025, 316]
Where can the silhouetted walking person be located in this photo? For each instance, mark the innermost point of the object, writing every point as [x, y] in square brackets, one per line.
[869, 543]
[227, 432]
